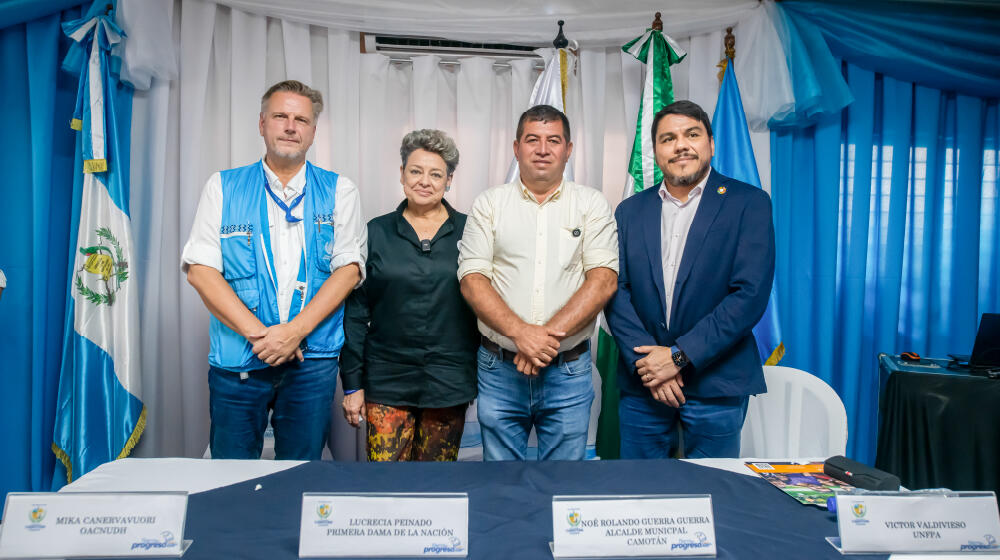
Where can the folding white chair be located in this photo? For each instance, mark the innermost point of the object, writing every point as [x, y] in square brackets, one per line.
[799, 416]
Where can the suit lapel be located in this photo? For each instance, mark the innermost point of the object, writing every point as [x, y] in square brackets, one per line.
[708, 209]
[649, 222]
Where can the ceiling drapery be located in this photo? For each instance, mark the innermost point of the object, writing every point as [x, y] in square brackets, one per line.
[531, 22]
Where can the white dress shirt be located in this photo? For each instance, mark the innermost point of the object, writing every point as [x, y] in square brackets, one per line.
[675, 222]
[536, 253]
[287, 239]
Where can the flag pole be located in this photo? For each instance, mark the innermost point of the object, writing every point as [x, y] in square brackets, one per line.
[729, 42]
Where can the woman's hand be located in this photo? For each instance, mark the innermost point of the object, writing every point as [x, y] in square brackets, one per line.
[354, 407]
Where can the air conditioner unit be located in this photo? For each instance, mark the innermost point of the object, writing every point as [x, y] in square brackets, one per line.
[401, 48]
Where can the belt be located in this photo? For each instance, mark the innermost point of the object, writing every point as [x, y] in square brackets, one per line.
[570, 355]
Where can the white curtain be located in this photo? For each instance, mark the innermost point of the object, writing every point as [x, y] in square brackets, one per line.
[206, 120]
[591, 22]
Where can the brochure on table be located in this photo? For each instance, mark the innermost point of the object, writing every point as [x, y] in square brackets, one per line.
[805, 482]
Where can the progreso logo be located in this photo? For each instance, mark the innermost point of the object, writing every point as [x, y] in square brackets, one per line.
[686, 544]
[454, 545]
[147, 544]
[990, 544]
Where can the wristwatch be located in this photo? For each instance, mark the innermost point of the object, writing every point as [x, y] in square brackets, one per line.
[680, 359]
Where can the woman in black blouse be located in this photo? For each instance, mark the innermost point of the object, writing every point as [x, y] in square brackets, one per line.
[409, 361]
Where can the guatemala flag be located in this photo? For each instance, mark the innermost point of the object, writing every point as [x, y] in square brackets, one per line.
[99, 414]
[734, 158]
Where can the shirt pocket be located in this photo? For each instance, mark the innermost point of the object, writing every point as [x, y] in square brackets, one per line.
[323, 241]
[571, 246]
[239, 263]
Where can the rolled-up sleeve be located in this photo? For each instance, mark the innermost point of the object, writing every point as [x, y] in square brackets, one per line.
[203, 245]
[600, 241]
[351, 235]
[476, 251]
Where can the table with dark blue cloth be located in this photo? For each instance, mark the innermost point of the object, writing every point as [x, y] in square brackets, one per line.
[510, 505]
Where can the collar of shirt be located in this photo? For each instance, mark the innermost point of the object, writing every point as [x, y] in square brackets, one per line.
[294, 186]
[531, 196]
[406, 231]
[695, 192]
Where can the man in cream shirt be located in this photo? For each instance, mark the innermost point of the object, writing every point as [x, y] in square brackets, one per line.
[538, 261]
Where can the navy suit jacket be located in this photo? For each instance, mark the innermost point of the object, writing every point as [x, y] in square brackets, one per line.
[723, 284]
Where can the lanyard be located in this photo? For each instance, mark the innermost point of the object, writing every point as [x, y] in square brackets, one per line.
[281, 203]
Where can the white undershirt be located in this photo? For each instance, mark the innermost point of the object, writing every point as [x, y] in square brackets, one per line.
[675, 222]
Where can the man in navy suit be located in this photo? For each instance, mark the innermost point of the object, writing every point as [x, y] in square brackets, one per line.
[696, 264]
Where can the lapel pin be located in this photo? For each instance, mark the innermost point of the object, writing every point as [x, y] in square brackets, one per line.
[576, 232]
[721, 190]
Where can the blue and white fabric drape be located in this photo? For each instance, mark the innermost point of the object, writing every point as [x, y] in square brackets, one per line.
[884, 184]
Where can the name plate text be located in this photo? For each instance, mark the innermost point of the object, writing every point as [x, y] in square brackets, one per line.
[918, 522]
[384, 525]
[617, 526]
[80, 524]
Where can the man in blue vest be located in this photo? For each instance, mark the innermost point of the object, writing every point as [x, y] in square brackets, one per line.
[274, 249]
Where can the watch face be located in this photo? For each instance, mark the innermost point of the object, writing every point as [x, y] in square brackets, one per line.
[679, 359]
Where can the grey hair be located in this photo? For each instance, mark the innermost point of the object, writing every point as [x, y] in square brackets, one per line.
[297, 87]
[434, 141]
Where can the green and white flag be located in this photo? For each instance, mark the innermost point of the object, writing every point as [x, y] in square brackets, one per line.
[658, 52]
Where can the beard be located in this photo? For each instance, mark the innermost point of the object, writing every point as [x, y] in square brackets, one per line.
[289, 153]
[688, 180]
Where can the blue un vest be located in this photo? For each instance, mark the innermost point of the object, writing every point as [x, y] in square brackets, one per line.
[248, 264]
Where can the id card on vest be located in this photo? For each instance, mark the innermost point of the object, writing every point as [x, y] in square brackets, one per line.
[384, 524]
[88, 524]
[917, 522]
[632, 526]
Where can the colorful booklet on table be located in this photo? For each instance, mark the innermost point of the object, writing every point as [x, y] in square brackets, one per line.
[803, 481]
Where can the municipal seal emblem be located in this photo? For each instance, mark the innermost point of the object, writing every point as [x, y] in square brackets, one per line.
[859, 509]
[105, 267]
[323, 511]
[37, 514]
[573, 518]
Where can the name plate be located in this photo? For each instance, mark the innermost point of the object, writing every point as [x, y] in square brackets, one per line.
[80, 524]
[917, 522]
[618, 526]
[390, 524]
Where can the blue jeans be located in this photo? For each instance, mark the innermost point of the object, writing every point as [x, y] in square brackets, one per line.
[556, 402]
[300, 393]
[711, 427]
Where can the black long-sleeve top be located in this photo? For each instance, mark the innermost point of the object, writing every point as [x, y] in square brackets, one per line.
[411, 339]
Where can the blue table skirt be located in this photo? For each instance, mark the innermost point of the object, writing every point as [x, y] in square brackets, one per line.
[510, 506]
